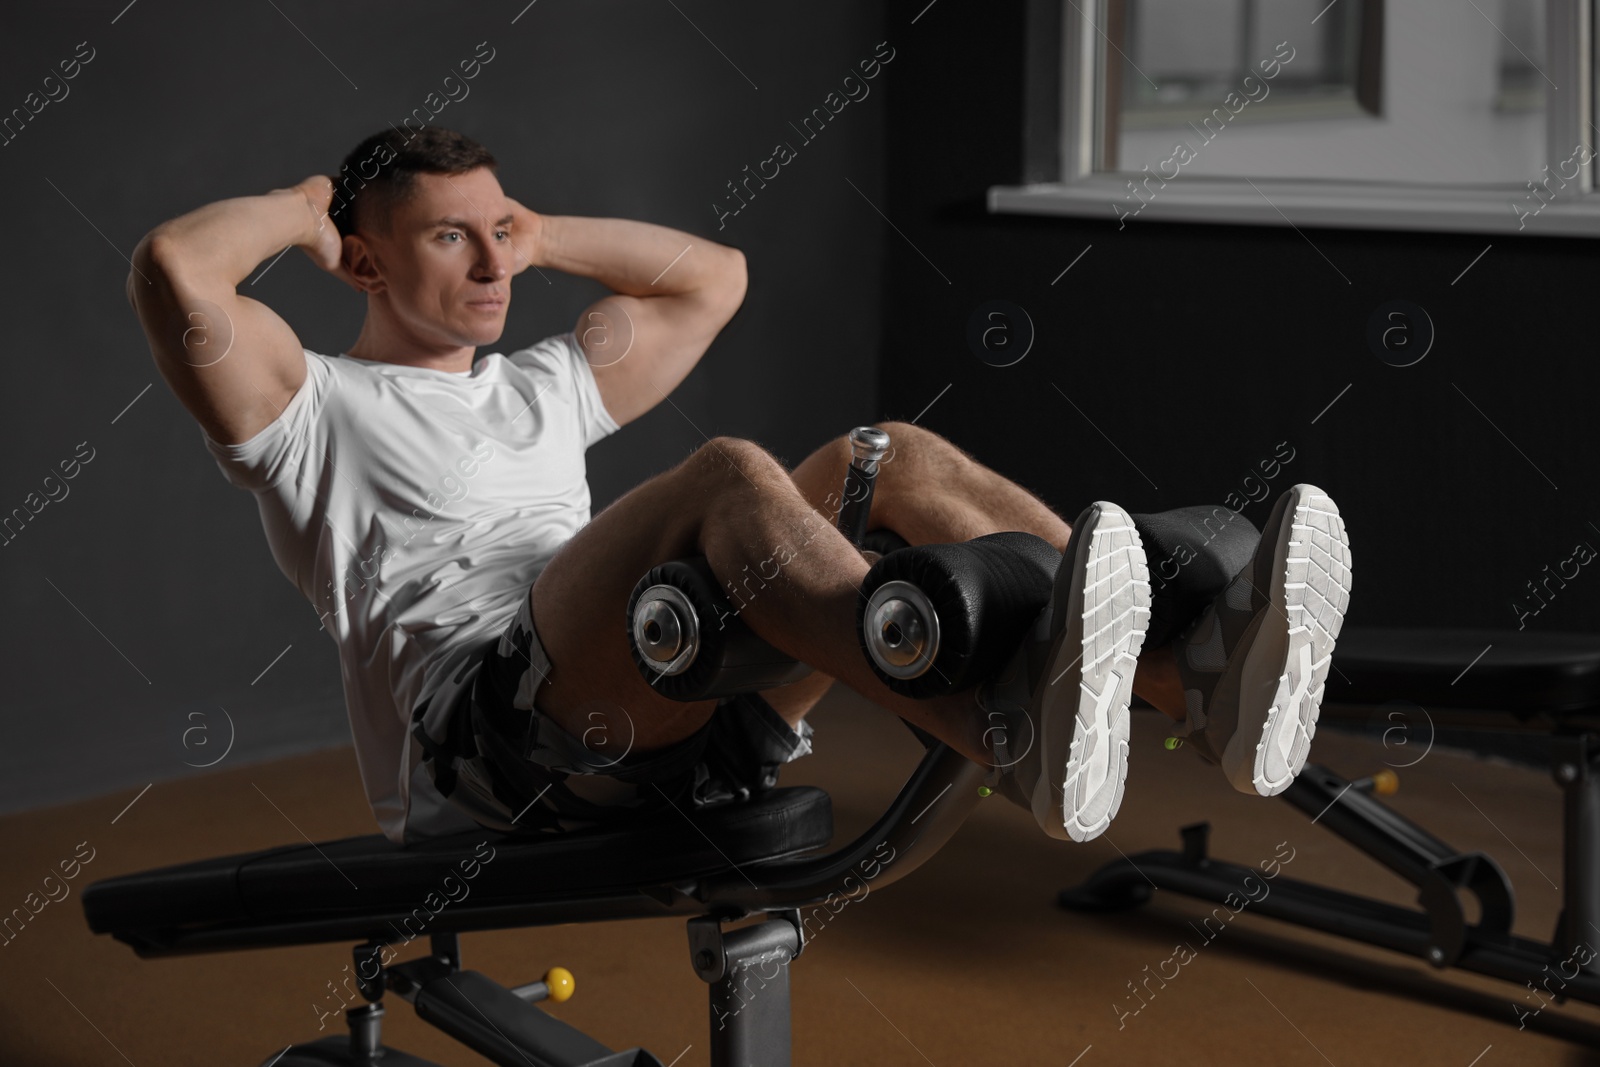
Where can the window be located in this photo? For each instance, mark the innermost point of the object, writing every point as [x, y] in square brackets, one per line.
[1468, 115]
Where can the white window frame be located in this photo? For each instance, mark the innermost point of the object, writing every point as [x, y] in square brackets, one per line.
[1065, 57]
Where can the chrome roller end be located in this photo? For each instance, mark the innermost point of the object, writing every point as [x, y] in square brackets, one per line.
[902, 630]
[666, 630]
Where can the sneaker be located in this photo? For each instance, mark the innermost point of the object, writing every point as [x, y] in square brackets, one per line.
[1253, 665]
[1061, 703]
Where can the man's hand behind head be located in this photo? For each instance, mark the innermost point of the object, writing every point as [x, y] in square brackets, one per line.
[325, 246]
[527, 237]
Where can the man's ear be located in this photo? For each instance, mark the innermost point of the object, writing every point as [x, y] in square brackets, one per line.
[361, 264]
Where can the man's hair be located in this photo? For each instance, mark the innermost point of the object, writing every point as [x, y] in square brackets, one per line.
[380, 172]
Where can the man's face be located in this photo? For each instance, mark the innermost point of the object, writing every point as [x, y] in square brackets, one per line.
[447, 260]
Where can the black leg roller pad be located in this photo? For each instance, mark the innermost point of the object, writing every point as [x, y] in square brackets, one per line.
[1193, 554]
[935, 619]
[689, 641]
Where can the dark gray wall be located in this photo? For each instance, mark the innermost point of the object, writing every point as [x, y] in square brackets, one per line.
[1195, 349]
[145, 602]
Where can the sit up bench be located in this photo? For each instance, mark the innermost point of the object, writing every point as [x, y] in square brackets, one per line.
[716, 865]
[932, 618]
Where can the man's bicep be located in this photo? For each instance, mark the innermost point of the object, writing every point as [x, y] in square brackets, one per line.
[231, 361]
[641, 348]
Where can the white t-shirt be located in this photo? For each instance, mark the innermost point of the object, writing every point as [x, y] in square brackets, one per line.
[413, 508]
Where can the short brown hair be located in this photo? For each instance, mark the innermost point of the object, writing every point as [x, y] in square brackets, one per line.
[380, 172]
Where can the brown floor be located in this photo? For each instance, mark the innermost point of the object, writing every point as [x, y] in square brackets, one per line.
[967, 961]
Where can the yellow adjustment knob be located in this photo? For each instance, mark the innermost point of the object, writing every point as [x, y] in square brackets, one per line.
[560, 982]
[984, 790]
[1172, 744]
[1386, 783]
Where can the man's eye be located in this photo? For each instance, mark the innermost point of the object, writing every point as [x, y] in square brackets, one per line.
[502, 233]
[452, 233]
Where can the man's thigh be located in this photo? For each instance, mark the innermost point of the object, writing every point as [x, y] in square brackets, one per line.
[820, 479]
[594, 690]
[817, 476]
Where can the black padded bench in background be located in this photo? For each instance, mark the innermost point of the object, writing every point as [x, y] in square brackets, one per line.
[1528, 696]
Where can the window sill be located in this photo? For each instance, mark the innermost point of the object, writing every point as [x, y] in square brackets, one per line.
[1507, 209]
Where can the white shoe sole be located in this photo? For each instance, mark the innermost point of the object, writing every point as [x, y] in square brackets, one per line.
[1292, 655]
[1108, 611]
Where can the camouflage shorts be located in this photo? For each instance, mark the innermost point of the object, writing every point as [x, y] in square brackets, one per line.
[512, 768]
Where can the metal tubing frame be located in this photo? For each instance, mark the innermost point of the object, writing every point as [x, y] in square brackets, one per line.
[1437, 931]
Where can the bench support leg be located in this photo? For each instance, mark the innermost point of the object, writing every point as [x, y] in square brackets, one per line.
[748, 973]
[1578, 928]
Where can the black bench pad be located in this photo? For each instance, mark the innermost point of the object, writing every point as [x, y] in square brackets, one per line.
[370, 875]
[1526, 673]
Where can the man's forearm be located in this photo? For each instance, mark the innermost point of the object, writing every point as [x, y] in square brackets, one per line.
[226, 240]
[635, 258]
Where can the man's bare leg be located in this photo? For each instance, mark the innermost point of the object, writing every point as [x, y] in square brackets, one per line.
[734, 503]
[930, 492]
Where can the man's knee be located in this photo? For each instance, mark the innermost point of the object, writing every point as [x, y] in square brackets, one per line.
[907, 440]
[724, 457]
[897, 429]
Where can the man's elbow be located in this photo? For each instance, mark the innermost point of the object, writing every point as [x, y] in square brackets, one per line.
[153, 255]
[155, 247]
[140, 265]
[736, 280]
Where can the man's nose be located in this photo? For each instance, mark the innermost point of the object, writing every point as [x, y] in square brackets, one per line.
[495, 263]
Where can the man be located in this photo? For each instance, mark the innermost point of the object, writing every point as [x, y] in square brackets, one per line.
[432, 505]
